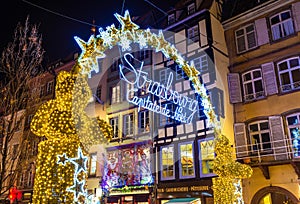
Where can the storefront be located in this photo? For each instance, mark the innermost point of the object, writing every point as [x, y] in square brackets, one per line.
[141, 195]
[127, 174]
[194, 189]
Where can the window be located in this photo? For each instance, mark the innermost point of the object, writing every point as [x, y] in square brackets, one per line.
[281, 25]
[171, 19]
[93, 164]
[30, 175]
[167, 162]
[50, 87]
[260, 135]
[293, 124]
[129, 90]
[15, 150]
[201, 63]
[128, 125]
[99, 62]
[193, 33]
[164, 75]
[144, 54]
[245, 38]
[116, 62]
[42, 90]
[144, 122]
[30, 179]
[29, 118]
[289, 74]
[186, 160]
[165, 120]
[18, 125]
[180, 74]
[34, 148]
[144, 90]
[98, 92]
[114, 122]
[171, 39]
[22, 179]
[115, 94]
[191, 9]
[207, 156]
[253, 85]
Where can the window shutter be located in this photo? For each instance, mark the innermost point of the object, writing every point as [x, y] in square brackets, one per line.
[278, 138]
[203, 35]
[296, 15]
[240, 140]
[269, 78]
[262, 31]
[235, 93]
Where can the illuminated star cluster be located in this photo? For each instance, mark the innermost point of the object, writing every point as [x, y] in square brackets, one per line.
[80, 163]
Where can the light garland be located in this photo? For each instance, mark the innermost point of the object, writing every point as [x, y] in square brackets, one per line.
[229, 171]
[66, 126]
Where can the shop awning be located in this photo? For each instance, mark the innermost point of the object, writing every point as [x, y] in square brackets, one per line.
[184, 201]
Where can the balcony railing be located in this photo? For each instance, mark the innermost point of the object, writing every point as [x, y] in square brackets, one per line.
[257, 95]
[290, 87]
[274, 151]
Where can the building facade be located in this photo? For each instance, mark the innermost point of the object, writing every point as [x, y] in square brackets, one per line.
[263, 45]
[152, 157]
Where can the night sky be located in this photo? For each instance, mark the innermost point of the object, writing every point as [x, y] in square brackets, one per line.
[58, 31]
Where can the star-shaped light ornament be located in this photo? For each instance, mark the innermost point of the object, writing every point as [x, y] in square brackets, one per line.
[77, 189]
[238, 192]
[80, 162]
[193, 70]
[90, 54]
[163, 45]
[127, 24]
[62, 159]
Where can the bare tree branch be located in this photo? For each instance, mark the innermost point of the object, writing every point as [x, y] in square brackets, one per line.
[20, 62]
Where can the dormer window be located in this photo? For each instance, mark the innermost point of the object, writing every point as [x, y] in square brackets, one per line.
[171, 19]
[191, 8]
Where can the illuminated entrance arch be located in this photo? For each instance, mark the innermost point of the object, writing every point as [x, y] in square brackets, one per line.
[227, 187]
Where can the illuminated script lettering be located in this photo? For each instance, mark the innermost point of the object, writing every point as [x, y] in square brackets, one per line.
[185, 106]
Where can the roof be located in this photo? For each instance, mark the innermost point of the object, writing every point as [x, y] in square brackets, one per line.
[183, 200]
[233, 8]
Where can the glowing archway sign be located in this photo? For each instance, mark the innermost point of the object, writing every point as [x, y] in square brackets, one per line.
[186, 107]
[229, 171]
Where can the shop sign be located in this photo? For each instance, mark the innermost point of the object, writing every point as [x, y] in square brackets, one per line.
[183, 189]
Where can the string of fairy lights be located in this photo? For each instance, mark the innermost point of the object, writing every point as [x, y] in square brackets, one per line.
[227, 186]
[56, 118]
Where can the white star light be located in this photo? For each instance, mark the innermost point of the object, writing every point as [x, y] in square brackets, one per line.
[62, 159]
[77, 189]
[238, 192]
[80, 162]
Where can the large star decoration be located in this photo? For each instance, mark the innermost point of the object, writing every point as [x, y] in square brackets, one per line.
[126, 22]
[62, 159]
[80, 162]
[77, 189]
[163, 45]
[90, 54]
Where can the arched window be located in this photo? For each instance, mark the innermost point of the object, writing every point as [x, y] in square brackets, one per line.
[273, 194]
